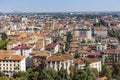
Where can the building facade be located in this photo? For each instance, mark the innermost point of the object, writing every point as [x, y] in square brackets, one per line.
[10, 63]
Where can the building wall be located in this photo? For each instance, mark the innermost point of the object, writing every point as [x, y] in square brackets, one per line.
[26, 53]
[101, 48]
[9, 67]
[23, 65]
[57, 65]
[96, 65]
[100, 33]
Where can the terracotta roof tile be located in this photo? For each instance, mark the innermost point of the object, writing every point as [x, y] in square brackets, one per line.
[81, 60]
[10, 56]
[59, 57]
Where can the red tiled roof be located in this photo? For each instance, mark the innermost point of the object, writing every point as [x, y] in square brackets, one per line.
[23, 46]
[99, 28]
[42, 54]
[59, 57]
[95, 53]
[51, 46]
[81, 61]
[9, 56]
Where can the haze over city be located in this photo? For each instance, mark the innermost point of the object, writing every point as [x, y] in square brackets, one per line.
[58, 5]
[59, 39]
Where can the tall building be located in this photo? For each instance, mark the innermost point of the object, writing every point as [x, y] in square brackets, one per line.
[83, 33]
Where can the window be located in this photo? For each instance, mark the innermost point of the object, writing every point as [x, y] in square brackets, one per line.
[10, 64]
[6, 64]
[6, 60]
[3, 64]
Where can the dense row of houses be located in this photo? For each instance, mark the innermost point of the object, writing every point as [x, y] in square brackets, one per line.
[45, 47]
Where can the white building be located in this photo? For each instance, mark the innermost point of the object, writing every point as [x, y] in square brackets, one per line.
[10, 63]
[57, 61]
[100, 31]
[53, 47]
[24, 20]
[83, 33]
[94, 63]
[101, 47]
[23, 50]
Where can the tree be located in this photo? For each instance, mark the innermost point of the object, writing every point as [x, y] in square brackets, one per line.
[96, 24]
[32, 75]
[20, 74]
[69, 36]
[48, 74]
[95, 71]
[4, 36]
[116, 69]
[4, 78]
[83, 41]
[67, 46]
[106, 71]
[73, 70]
[89, 72]
[118, 78]
[2, 74]
[77, 55]
[62, 74]
[79, 75]
[68, 39]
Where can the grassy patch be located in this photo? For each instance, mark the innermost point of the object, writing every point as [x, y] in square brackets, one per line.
[3, 44]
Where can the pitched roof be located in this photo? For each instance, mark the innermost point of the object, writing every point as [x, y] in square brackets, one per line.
[23, 46]
[100, 29]
[10, 56]
[51, 46]
[112, 51]
[59, 57]
[95, 53]
[43, 53]
[82, 61]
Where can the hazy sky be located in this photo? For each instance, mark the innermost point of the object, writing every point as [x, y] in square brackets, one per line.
[58, 5]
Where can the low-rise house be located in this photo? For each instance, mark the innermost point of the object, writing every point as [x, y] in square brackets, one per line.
[83, 53]
[53, 47]
[12, 44]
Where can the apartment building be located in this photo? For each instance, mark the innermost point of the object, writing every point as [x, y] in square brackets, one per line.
[23, 50]
[83, 33]
[57, 61]
[93, 62]
[10, 63]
